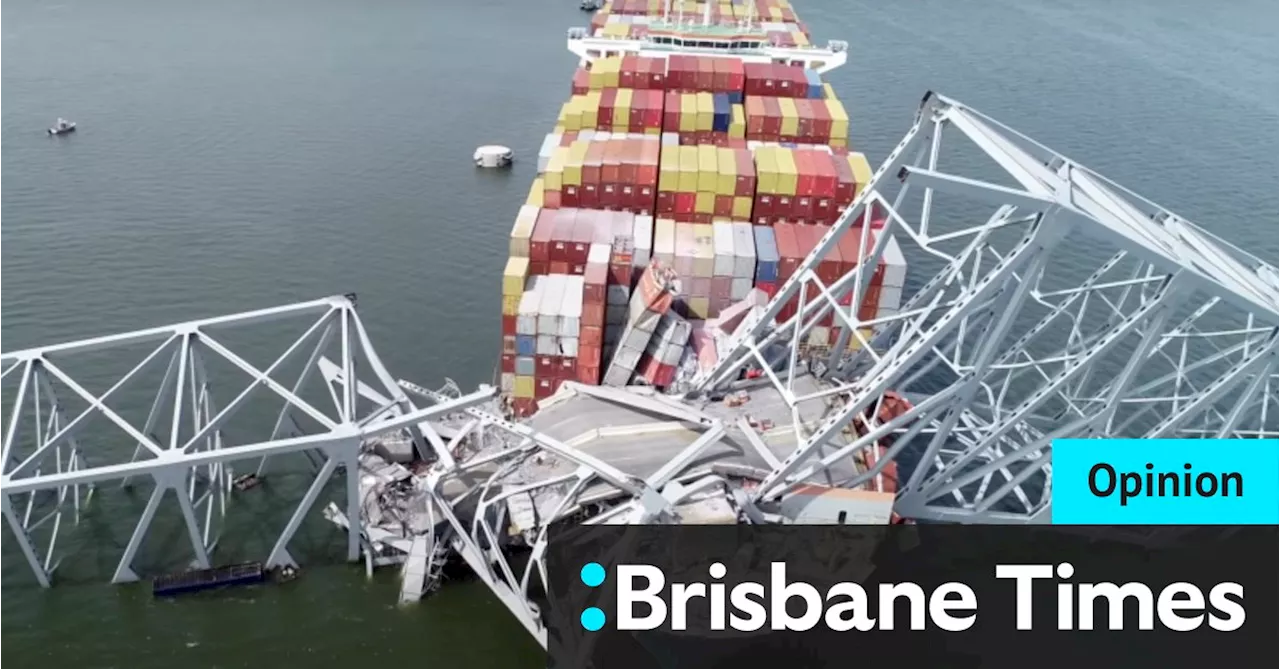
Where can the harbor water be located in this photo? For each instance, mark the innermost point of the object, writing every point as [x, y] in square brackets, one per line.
[236, 155]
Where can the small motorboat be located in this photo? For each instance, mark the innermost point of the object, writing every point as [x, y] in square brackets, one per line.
[62, 127]
[589, 5]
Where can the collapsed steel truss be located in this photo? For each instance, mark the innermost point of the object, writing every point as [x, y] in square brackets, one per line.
[1172, 334]
[51, 468]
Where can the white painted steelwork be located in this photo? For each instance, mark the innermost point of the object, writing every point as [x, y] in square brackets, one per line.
[51, 471]
[1168, 331]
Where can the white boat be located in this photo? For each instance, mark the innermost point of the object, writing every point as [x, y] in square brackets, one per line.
[62, 127]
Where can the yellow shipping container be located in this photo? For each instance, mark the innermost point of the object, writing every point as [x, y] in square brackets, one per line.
[742, 208]
[699, 307]
[524, 387]
[653, 131]
[704, 203]
[688, 169]
[727, 175]
[613, 69]
[513, 276]
[800, 39]
[622, 109]
[839, 119]
[790, 117]
[573, 164]
[738, 122]
[590, 110]
[669, 169]
[535, 198]
[595, 78]
[775, 14]
[766, 170]
[838, 142]
[570, 117]
[706, 112]
[688, 112]
[828, 92]
[554, 176]
[854, 344]
[510, 305]
[861, 171]
[787, 174]
[707, 165]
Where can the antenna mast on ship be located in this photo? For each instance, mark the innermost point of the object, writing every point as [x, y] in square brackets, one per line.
[706, 14]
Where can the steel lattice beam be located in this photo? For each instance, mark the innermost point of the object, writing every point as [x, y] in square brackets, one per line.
[1008, 348]
[52, 470]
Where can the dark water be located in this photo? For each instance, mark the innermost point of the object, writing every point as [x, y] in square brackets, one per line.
[235, 155]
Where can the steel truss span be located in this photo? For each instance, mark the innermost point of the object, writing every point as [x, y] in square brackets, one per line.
[1056, 304]
[61, 441]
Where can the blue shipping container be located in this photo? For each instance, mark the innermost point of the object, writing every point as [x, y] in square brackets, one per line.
[723, 113]
[735, 97]
[815, 91]
[526, 345]
[766, 254]
[525, 366]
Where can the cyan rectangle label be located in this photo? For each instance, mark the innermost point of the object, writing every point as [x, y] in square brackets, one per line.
[1166, 482]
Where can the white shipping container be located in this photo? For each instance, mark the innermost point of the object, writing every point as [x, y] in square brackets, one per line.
[527, 315]
[549, 145]
[670, 139]
[549, 307]
[589, 135]
[525, 366]
[637, 340]
[522, 230]
[598, 254]
[819, 336]
[744, 249]
[626, 358]
[643, 233]
[704, 253]
[686, 249]
[547, 345]
[571, 306]
[739, 289]
[671, 354]
[617, 377]
[895, 271]
[722, 248]
[664, 242]
[507, 382]
[890, 297]
[568, 347]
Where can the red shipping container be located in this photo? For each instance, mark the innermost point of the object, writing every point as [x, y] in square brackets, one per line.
[653, 111]
[804, 109]
[581, 81]
[590, 335]
[657, 73]
[627, 75]
[772, 118]
[789, 251]
[589, 197]
[583, 235]
[844, 183]
[666, 202]
[720, 81]
[824, 184]
[604, 114]
[544, 387]
[755, 111]
[721, 287]
[611, 163]
[671, 112]
[628, 158]
[508, 363]
[746, 173]
[724, 206]
[764, 206]
[706, 74]
[544, 364]
[569, 197]
[782, 206]
[870, 304]
[540, 239]
[736, 75]
[824, 210]
[802, 208]
[593, 313]
[508, 325]
[524, 406]
[643, 199]
[539, 268]
[647, 171]
[559, 267]
[821, 122]
[568, 368]
[685, 203]
[702, 218]
[550, 199]
[804, 171]
[509, 345]
[768, 287]
[609, 196]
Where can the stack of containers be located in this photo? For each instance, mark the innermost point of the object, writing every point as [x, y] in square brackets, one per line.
[766, 270]
[626, 110]
[524, 365]
[610, 172]
[621, 237]
[652, 299]
[699, 183]
[695, 266]
[796, 120]
[707, 74]
[661, 359]
[594, 302]
[703, 118]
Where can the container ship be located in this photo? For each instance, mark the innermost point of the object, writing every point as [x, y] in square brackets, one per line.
[699, 158]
